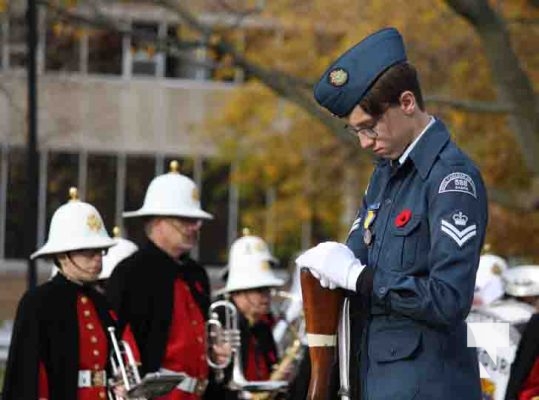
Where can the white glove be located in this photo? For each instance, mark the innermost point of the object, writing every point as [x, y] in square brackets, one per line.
[333, 264]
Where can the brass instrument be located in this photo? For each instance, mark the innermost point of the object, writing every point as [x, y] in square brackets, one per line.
[218, 334]
[282, 370]
[290, 325]
[123, 364]
[229, 333]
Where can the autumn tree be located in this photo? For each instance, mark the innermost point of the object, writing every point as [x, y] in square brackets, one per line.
[300, 174]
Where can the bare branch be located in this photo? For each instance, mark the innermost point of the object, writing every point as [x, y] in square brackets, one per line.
[511, 81]
[523, 21]
[476, 106]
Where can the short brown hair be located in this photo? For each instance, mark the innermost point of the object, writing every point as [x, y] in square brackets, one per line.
[386, 90]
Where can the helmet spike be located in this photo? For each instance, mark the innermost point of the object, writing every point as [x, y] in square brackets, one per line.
[174, 167]
[246, 231]
[73, 193]
[116, 232]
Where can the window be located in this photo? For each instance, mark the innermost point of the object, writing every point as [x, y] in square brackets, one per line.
[101, 187]
[140, 170]
[214, 199]
[16, 205]
[145, 59]
[17, 40]
[104, 52]
[62, 46]
[63, 170]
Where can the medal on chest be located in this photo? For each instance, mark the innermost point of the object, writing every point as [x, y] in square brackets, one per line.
[368, 223]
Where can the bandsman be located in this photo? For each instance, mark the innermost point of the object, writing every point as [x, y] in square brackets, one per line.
[60, 345]
[522, 283]
[161, 291]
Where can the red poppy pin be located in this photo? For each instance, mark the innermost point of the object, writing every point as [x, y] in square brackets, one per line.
[403, 218]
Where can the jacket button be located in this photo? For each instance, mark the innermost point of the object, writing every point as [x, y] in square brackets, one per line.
[393, 352]
[382, 290]
[387, 202]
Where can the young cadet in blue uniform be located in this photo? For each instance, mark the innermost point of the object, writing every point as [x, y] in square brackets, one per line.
[413, 250]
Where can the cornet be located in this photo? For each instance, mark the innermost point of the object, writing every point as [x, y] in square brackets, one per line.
[123, 364]
[217, 334]
[230, 333]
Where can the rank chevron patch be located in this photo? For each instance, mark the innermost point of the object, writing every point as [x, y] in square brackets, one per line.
[458, 235]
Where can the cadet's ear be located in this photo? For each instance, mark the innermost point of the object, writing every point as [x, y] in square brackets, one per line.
[407, 102]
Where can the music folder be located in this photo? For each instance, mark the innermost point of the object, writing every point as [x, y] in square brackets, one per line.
[155, 384]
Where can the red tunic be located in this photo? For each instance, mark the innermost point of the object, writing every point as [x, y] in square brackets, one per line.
[530, 388]
[186, 346]
[260, 355]
[93, 350]
[256, 368]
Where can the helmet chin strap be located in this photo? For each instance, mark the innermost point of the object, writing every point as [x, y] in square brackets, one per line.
[77, 266]
[253, 306]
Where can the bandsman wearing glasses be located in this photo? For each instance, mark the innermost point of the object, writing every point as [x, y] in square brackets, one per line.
[413, 249]
[161, 291]
[60, 346]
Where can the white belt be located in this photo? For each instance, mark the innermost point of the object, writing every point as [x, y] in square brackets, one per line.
[189, 384]
[90, 378]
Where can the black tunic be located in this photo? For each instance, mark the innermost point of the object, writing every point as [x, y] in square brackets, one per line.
[46, 329]
[527, 353]
[141, 289]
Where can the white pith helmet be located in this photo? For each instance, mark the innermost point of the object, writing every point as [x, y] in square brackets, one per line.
[123, 249]
[173, 195]
[490, 267]
[488, 282]
[75, 225]
[522, 281]
[249, 265]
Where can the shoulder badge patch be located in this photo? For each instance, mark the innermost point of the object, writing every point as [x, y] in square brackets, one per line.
[458, 182]
[457, 230]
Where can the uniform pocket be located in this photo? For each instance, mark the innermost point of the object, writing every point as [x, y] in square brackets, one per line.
[394, 370]
[393, 345]
[406, 240]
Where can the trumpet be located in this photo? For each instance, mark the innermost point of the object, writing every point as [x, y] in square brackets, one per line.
[230, 333]
[123, 365]
[218, 334]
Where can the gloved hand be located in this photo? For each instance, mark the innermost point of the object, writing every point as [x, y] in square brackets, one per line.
[333, 264]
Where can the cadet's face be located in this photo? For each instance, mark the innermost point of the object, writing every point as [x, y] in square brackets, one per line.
[82, 265]
[392, 133]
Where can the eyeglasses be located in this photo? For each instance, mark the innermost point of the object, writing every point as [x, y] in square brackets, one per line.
[90, 253]
[179, 222]
[367, 131]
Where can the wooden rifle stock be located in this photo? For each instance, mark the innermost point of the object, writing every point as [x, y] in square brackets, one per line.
[322, 309]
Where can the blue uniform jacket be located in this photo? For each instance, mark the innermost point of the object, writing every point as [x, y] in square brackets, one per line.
[426, 220]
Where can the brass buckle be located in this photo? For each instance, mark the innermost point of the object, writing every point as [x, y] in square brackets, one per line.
[200, 387]
[98, 378]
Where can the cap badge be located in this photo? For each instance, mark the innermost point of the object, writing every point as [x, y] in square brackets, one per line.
[496, 269]
[93, 222]
[338, 77]
[194, 194]
[260, 246]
